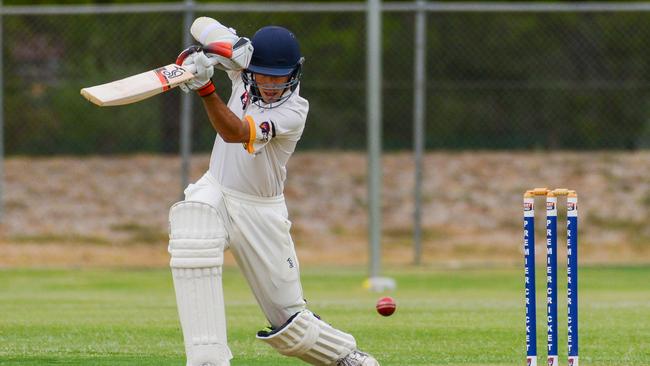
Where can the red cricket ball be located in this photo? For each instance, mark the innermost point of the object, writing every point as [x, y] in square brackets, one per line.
[386, 306]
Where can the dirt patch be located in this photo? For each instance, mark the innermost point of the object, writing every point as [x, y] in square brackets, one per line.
[112, 211]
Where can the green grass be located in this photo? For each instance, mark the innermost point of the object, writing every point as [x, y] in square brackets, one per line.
[470, 316]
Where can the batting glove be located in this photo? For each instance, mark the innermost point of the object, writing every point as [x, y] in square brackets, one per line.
[202, 83]
[240, 56]
[214, 35]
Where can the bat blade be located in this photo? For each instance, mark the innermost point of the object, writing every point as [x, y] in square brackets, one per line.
[138, 87]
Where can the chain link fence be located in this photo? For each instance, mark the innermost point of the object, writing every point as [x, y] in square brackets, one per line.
[498, 77]
[495, 80]
[539, 80]
[49, 58]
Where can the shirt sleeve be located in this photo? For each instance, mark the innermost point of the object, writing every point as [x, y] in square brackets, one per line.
[265, 127]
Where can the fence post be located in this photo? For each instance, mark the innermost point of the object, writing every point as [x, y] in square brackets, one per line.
[419, 86]
[2, 125]
[186, 105]
[373, 113]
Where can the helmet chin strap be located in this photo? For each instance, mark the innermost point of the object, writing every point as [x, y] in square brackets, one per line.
[281, 100]
[256, 95]
[259, 101]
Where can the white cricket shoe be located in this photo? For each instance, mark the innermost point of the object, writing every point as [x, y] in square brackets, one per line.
[358, 358]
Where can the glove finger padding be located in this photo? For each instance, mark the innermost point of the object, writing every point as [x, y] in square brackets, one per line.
[242, 52]
[180, 60]
[204, 69]
[202, 83]
[207, 30]
[213, 35]
[222, 49]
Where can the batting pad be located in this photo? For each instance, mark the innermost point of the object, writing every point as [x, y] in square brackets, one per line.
[196, 243]
[310, 339]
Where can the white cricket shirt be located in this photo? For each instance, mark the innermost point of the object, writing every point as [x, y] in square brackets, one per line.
[259, 167]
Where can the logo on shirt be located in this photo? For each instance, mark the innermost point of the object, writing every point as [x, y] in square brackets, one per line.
[268, 130]
[244, 99]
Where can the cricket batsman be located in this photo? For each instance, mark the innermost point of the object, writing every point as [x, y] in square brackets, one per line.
[239, 204]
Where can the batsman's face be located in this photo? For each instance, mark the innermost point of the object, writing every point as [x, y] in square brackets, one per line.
[271, 87]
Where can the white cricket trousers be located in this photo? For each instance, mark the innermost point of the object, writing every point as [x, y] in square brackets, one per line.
[258, 235]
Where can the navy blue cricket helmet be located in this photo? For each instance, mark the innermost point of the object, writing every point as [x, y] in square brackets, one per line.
[276, 52]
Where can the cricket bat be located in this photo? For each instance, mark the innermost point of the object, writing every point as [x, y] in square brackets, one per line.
[138, 87]
[147, 84]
